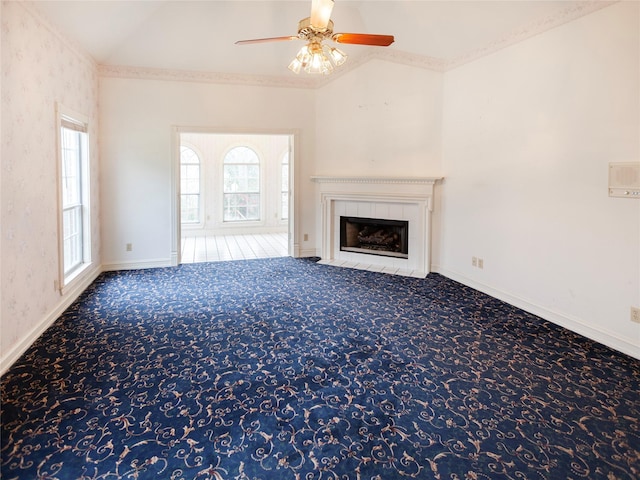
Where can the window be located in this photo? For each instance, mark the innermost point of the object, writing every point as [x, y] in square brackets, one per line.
[74, 180]
[241, 185]
[284, 194]
[189, 186]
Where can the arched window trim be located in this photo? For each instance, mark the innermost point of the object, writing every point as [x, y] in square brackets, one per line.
[244, 205]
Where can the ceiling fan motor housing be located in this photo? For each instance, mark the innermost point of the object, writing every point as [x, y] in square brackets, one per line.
[306, 31]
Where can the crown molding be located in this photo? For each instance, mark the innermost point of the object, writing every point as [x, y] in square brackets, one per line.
[561, 17]
[145, 73]
[413, 60]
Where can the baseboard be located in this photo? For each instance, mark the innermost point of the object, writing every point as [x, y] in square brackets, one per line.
[563, 320]
[71, 295]
[161, 263]
[307, 252]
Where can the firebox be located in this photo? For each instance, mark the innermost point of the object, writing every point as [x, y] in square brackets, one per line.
[375, 236]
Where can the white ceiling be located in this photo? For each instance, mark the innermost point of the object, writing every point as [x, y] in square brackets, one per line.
[200, 35]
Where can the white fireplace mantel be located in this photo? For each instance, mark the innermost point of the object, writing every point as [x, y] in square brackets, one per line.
[378, 180]
[392, 198]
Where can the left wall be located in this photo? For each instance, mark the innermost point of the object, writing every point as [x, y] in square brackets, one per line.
[40, 71]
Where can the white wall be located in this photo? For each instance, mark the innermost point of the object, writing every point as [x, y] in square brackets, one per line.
[528, 134]
[381, 119]
[137, 117]
[40, 71]
[379, 128]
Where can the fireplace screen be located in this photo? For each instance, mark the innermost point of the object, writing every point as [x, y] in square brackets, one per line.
[375, 236]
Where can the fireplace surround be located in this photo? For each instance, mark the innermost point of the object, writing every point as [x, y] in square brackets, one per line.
[406, 199]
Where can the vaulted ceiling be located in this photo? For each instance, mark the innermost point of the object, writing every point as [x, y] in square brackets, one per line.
[199, 36]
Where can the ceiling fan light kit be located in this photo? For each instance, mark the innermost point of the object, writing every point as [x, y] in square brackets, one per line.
[315, 57]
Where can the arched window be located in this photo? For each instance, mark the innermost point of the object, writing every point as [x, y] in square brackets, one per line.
[241, 185]
[189, 186]
[284, 194]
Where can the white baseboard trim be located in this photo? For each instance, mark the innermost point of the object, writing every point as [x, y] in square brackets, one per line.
[563, 320]
[160, 263]
[71, 295]
[308, 252]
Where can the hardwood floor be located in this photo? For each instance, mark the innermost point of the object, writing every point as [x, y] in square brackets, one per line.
[218, 248]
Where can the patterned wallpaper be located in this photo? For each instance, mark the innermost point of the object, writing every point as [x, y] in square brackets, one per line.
[40, 69]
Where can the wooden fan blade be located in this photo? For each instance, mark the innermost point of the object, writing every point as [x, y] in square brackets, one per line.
[264, 40]
[364, 39]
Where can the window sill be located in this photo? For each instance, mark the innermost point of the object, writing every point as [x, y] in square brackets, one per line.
[75, 277]
[243, 222]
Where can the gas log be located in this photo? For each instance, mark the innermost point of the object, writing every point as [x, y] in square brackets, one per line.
[372, 236]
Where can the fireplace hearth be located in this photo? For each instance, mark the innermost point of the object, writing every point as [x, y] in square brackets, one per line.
[375, 236]
[398, 198]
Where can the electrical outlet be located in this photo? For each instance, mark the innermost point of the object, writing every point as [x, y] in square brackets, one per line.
[480, 263]
[635, 314]
[474, 261]
[129, 247]
[306, 237]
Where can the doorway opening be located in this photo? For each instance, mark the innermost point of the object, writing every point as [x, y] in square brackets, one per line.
[234, 196]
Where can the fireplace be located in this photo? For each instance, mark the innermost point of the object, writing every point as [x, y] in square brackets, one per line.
[374, 236]
[367, 199]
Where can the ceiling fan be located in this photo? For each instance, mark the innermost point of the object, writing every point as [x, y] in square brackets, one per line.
[316, 57]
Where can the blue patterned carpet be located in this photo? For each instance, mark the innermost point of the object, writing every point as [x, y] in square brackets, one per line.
[287, 369]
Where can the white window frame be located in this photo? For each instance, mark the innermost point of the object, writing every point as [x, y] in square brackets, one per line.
[75, 122]
[287, 155]
[200, 222]
[260, 192]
